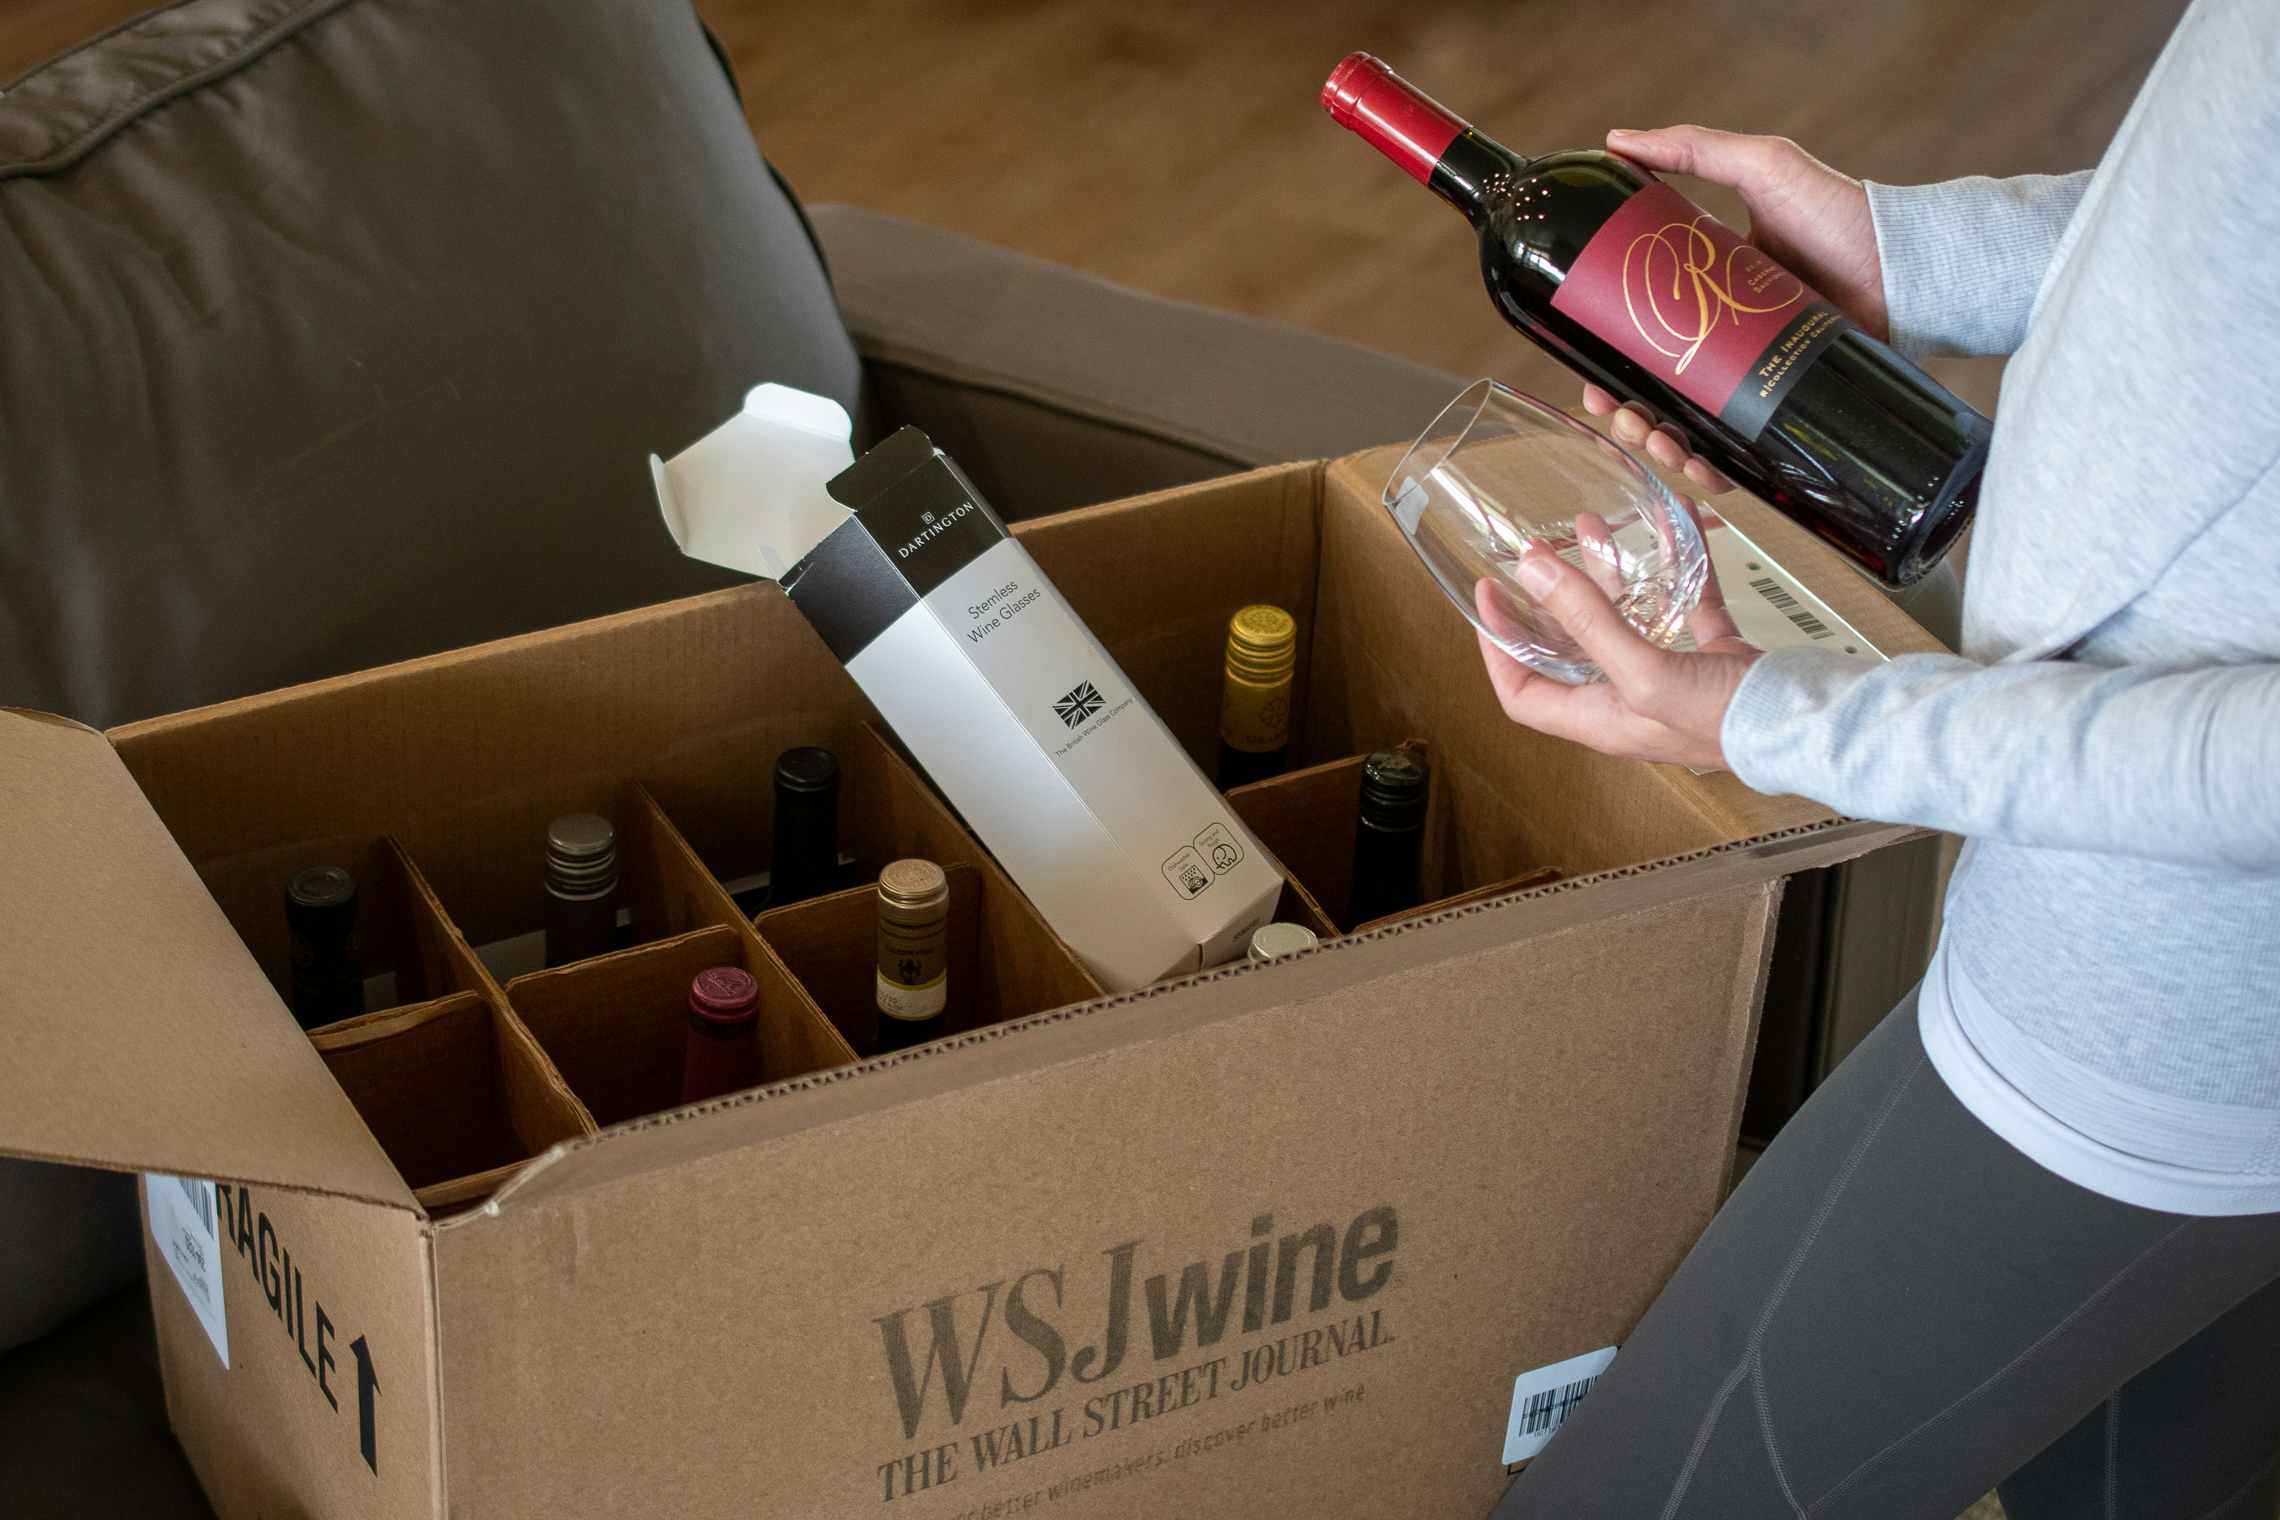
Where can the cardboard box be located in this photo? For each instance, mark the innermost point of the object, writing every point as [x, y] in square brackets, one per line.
[1270, 1239]
[972, 655]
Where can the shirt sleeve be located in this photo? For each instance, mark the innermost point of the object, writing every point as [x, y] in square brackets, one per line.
[1964, 258]
[2160, 762]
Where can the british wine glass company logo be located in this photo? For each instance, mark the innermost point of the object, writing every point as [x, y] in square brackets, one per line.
[1680, 282]
[1078, 703]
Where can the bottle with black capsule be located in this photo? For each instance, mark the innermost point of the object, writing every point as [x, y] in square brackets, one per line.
[805, 859]
[1389, 834]
[327, 979]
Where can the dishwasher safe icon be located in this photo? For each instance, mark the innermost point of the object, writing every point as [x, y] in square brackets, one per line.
[1187, 872]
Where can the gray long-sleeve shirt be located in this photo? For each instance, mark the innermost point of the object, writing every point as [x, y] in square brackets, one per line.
[2106, 991]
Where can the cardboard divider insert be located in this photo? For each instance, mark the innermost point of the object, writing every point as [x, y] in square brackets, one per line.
[887, 812]
[1004, 962]
[453, 1087]
[1383, 657]
[1306, 819]
[615, 1026]
[657, 893]
[401, 937]
[453, 1093]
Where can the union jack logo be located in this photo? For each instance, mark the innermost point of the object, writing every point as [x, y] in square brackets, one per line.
[1078, 704]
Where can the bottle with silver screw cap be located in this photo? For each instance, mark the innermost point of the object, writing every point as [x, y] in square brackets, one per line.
[581, 888]
[1271, 940]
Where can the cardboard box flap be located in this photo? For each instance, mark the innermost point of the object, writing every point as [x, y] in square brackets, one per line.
[795, 441]
[142, 1035]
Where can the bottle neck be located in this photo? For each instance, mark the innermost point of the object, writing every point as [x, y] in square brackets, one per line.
[1431, 144]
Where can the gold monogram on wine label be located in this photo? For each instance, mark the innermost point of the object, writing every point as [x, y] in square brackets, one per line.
[1687, 284]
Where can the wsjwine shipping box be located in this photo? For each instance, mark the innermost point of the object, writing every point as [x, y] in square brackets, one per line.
[1263, 1239]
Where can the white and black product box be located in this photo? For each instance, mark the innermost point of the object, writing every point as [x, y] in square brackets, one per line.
[1012, 707]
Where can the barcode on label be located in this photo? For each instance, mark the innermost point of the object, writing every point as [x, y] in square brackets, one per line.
[1543, 1401]
[1788, 606]
[201, 1196]
[181, 1211]
[1548, 1410]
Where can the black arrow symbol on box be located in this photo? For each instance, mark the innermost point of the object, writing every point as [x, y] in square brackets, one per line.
[367, 1385]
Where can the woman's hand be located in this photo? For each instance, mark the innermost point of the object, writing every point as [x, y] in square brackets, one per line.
[1813, 220]
[1654, 705]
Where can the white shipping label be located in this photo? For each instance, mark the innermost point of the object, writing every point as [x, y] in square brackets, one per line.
[1771, 608]
[1543, 1401]
[184, 1226]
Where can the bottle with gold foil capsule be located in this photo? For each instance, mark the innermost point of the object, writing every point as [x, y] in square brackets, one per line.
[1254, 703]
[914, 967]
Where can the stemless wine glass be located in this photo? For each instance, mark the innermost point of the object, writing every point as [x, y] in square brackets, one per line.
[1497, 472]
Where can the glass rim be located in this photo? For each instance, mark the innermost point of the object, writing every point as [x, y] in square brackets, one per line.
[1477, 396]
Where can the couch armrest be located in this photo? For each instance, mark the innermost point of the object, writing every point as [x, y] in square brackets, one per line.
[1054, 389]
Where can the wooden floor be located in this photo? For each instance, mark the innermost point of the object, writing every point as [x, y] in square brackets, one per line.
[1178, 146]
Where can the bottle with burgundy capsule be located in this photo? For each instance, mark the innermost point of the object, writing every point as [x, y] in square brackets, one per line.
[722, 1052]
[1640, 291]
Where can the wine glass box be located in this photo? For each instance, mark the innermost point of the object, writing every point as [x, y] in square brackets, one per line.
[1264, 1239]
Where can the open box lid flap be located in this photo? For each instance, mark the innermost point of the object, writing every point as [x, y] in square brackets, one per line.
[141, 1035]
[752, 495]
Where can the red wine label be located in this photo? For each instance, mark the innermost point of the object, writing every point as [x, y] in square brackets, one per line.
[1675, 290]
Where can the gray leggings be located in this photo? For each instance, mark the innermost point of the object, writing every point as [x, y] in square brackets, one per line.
[1896, 1311]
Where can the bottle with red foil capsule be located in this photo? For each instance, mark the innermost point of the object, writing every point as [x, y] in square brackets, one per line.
[723, 1051]
[1640, 291]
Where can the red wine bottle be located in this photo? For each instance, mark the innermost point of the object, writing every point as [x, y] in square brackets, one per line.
[1640, 291]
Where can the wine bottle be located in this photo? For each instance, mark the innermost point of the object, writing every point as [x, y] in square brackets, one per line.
[581, 888]
[326, 983]
[914, 972]
[1640, 291]
[1271, 940]
[722, 1053]
[1389, 834]
[804, 858]
[1254, 701]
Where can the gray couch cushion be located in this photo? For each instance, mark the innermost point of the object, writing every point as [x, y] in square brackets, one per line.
[83, 1427]
[334, 332]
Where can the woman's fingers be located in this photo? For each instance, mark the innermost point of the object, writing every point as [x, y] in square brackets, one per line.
[1635, 427]
[1631, 424]
[1631, 663]
[1706, 475]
